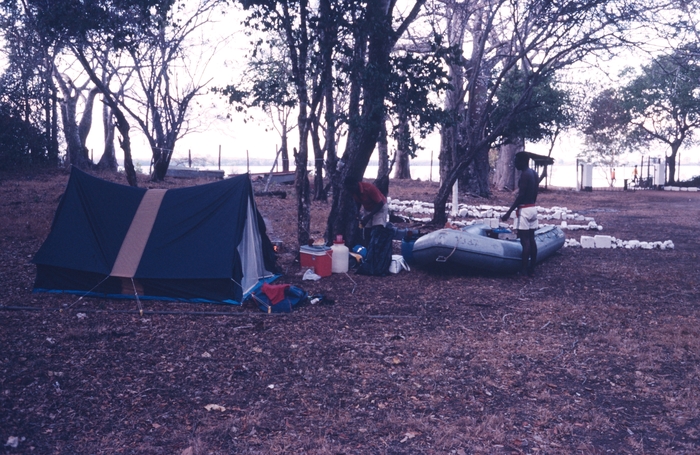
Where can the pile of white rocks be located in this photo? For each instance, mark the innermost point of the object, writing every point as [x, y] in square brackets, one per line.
[491, 214]
[610, 242]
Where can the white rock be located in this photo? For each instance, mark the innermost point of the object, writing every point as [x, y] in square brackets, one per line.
[602, 241]
[587, 241]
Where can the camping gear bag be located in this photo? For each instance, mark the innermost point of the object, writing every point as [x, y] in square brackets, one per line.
[379, 253]
[293, 296]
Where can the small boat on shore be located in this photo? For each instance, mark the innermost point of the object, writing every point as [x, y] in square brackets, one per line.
[280, 178]
[473, 248]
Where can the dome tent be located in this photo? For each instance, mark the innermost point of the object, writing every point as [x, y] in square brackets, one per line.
[202, 243]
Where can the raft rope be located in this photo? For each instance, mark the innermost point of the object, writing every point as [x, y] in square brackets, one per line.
[443, 258]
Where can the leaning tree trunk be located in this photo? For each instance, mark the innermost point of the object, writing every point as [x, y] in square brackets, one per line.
[504, 177]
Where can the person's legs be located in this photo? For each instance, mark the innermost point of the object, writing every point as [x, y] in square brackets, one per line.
[524, 236]
[533, 252]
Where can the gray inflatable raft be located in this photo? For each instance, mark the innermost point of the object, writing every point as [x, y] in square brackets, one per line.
[471, 248]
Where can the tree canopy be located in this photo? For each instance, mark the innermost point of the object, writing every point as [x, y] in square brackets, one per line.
[663, 101]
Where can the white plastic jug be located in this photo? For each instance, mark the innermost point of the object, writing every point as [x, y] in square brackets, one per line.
[340, 257]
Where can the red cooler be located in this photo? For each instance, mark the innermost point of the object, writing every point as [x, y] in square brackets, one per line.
[320, 258]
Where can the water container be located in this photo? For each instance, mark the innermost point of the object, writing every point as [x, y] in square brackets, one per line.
[340, 257]
[407, 249]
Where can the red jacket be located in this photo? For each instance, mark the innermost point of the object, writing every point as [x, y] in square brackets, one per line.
[369, 196]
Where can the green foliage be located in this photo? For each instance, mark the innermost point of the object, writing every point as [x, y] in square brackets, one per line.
[546, 108]
[415, 82]
[268, 82]
[607, 129]
[664, 100]
[21, 143]
[120, 22]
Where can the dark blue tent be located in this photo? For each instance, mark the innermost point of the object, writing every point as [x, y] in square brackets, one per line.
[201, 243]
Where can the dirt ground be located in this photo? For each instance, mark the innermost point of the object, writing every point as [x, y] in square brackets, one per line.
[600, 353]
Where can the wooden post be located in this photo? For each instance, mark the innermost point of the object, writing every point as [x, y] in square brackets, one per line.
[189, 157]
[219, 156]
[247, 160]
[455, 198]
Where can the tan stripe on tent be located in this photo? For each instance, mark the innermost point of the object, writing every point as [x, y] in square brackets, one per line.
[136, 238]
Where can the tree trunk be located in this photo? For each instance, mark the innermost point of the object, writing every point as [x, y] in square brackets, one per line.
[475, 180]
[53, 136]
[362, 139]
[285, 149]
[76, 152]
[504, 178]
[86, 121]
[384, 168]
[403, 163]
[319, 190]
[445, 191]
[383, 153]
[122, 124]
[303, 192]
[671, 160]
[108, 161]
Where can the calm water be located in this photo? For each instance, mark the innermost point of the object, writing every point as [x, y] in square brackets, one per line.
[559, 176]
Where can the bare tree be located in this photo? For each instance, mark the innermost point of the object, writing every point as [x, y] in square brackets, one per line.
[76, 132]
[169, 74]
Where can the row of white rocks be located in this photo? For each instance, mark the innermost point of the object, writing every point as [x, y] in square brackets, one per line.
[681, 188]
[490, 214]
[607, 241]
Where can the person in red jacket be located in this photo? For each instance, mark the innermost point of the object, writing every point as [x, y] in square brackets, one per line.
[375, 236]
[373, 203]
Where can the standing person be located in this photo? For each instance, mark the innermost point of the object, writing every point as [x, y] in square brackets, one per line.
[612, 177]
[634, 174]
[526, 213]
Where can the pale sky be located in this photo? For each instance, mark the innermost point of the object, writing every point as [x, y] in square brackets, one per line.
[256, 137]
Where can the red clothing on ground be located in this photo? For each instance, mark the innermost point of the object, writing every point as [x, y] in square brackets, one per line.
[274, 292]
[369, 196]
